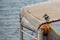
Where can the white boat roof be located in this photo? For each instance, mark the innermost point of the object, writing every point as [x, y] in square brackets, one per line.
[34, 12]
[51, 8]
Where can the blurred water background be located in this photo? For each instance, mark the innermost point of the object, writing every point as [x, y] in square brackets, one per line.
[9, 18]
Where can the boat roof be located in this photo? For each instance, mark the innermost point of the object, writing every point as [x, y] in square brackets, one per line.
[51, 8]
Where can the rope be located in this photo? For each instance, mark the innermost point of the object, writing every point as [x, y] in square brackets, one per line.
[48, 23]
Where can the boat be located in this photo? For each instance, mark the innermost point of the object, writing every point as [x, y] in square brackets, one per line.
[39, 18]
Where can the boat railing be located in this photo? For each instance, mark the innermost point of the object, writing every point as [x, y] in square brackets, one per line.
[39, 30]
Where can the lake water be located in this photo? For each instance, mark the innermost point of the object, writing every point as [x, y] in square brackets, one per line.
[9, 18]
